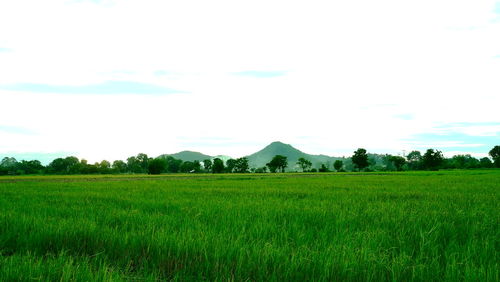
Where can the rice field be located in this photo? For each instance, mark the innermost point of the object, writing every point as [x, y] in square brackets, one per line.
[409, 226]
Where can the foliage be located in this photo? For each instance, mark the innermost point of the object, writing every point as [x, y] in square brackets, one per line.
[261, 169]
[304, 164]
[414, 160]
[338, 164]
[207, 165]
[495, 155]
[218, 166]
[360, 159]
[398, 162]
[119, 166]
[68, 165]
[157, 166]
[432, 159]
[463, 161]
[190, 167]
[241, 165]
[277, 164]
[485, 163]
[323, 168]
[230, 165]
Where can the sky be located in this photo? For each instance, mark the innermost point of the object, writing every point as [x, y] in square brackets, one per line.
[110, 79]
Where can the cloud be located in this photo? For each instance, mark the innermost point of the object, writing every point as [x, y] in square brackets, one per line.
[405, 116]
[453, 141]
[108, 87]
[2, 49]
[347, 77]
[261, 74]
[476, 129]
[16, 130]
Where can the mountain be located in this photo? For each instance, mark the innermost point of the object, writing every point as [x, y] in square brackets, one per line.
[262, 157]
[189, 156]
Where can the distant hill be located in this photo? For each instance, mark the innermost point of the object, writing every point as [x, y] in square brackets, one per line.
[262, 157]
[189, 156]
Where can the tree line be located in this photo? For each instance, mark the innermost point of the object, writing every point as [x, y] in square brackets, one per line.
[432, 159]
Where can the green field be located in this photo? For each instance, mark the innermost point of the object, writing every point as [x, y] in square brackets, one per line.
[418, 226]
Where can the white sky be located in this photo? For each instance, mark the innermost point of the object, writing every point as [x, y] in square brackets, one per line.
[325, 76]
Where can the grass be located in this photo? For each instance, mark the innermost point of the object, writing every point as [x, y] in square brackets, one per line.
[414, 226]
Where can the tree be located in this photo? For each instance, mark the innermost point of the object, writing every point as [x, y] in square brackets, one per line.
[398, 162]
[157, 166]
[133, 165]
[261, 169]
[337, 165]
[217, 166]
[360, 159]
[304, 164]
[207, 164]
[495, 155]
[432, 159]
[8, 162]
[278, 163]
[68, 165]
[241, 165]
[414, 160]
[104, 167]
[464, 161]
[8, 166]
[143, 161]
[323, 168]
[173, 164]
[119, 166]
[230, 165]
[73, 165]
[29, 167]
[190, 167]
[485, 163]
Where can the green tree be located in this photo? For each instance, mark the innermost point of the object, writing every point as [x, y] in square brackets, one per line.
[485, 163]
[432, 159]
[30, 167]
[190, 167]
[230, 165]
[338, 164]
[133, 165]
[143, 161]
[414, 160]
[157, 166]
[261, 169]
[8, 162]
[463, 161]
[304, 164]
[360, 159]
[323, 168]
[105, 167]
[8, 165]
[173, 164]
[241, 165]
[495, 155]
[207, 164]
[278, 163]
[217, 166]
[398, 162]
[119, 166]
[68, 165]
